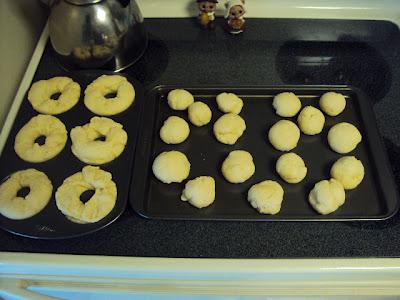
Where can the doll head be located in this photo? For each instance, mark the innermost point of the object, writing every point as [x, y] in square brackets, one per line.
[207, 6]
[234, 9]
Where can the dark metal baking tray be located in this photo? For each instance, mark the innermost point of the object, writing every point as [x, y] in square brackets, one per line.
[374, 199]
[50, 223]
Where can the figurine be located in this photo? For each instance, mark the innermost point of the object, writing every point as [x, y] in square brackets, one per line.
[235, 11]
[207, 12]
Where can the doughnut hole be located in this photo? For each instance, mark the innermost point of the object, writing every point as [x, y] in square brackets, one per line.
[24, 191]
[111, 95]
[40, 140]
[86, 195]
[55, 96]
[101, 138]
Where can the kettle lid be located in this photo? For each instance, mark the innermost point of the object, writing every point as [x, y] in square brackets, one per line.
[83, 2]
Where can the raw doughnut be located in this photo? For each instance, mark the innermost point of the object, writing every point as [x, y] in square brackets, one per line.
[311, 120]
[101, 203]
[199, 113]
[87, 143]
[229, 103]
[238, 166]
[18, 208]
[349, 171]
[200, 192]
[171, 166]
[344, 137]
[51, 128]
[284, 135]
[95, 95]
[180, 99]
[332, 103]
[229, 128]
[291, 168]
[41, 91]
[327, 196]
[286, 104]
[174, 131]
[266, 197]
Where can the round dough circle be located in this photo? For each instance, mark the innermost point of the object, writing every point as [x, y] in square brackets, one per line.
[180, 99]
[88, 148]
[286, 104]
[238, 166]
[199, 113]
[171, 166]
[41, 91]
[266, 197]
[229, 128]
[18, 208]
[101, 203]
[332, 103]
[229, 103]
[41, 125]
[349, 171]
[284, 135]
[291, 167]
[95, 93]
[200, 192]
[327, 196]
[311, 120]
[174, 131]
[344, 137]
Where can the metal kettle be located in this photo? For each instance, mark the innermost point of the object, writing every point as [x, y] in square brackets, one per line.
[88, 34]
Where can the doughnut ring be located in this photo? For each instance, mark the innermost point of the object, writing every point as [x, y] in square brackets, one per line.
[46, 126]
[17, 208]
[98, 142]
[95, 95]
[98, 206]
[41, 91]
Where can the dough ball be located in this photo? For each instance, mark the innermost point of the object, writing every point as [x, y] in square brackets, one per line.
[266, 197]
[238, 166]
[199, 113]
[291, 168]
[229, 128]
[171, 166]
[327, 196]
[174, 131]
[344, 137]
[229, 103]
[311, 120]
[180, 99]
[332, 103]
[200, 192]
[284, 135]
[286, 104]
[349, 171]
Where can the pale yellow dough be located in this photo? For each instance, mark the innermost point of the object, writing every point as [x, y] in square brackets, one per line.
[41, 91]
[266, 197]
[229, 128]
[171, 166]
[180, 99]
[199, 113]
[238, 166]
[332, 103]
[291, 168]
[349, 171]
[229, 103]
[174, 131]
[284, 135]
[327, 196]
[101, 203]
[42, 125]
[95, 93]
[311, 120]
[286, 104]
[88, 149]
[344, 137]
[199, 192]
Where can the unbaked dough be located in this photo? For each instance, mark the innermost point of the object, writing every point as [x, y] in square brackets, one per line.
[200, 192]
[174, 131]
[286, 104]
[327, 196]
[349, 171]
[180, 99]
[332, 103]
[344, 137]
[229, 128]
[171, 166]
[229, 103]
[199, 113]
[238, 166]
[284, 135]
[311, 120]
[291, 168]
[266, 197]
